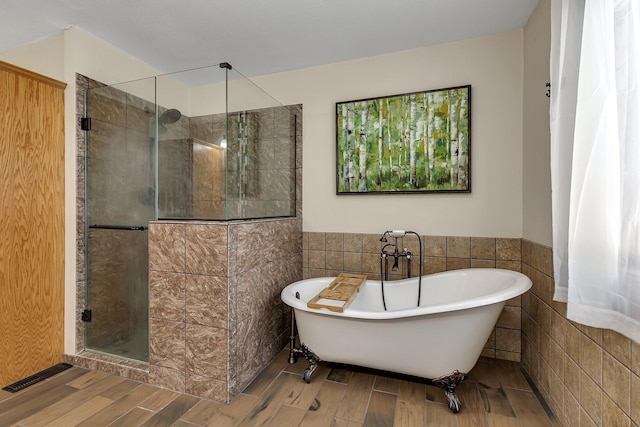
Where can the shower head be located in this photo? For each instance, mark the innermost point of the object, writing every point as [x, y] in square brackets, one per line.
[170, 116]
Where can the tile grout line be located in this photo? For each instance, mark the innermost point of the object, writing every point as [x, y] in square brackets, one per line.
[545, 406]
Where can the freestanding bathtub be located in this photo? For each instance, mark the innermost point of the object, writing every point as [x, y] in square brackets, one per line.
[439, 339]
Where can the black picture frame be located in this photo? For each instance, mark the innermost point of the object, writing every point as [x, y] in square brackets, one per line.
[417, 142]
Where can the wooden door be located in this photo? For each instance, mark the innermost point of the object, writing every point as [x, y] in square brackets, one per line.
[31, 223]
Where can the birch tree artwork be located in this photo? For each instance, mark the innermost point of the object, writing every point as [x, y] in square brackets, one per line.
[416, 142]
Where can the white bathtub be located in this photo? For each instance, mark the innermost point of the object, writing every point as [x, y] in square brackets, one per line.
[441, 337]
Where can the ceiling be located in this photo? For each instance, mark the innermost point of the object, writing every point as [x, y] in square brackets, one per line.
[260, 36]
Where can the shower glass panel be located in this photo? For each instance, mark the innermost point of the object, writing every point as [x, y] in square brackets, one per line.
[261, 153]
[120, 201]
[229, 154]
[191, 144]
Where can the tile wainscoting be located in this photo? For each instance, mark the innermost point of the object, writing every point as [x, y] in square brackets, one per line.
[328, 254]
[216, 315]
[588, 376]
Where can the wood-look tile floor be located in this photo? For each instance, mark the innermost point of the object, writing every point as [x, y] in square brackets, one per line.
[494, 394]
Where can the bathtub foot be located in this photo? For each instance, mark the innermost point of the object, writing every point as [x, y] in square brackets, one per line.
[449, 384]
[311, 358]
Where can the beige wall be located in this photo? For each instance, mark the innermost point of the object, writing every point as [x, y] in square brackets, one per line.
[44, 57]
[536, 185]
[493, 67]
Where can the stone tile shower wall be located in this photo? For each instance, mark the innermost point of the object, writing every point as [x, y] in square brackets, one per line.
[216, 314]
[588, 376]
[258, 180]
[328, 254]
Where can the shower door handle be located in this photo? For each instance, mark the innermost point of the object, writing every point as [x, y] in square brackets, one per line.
[119, 227]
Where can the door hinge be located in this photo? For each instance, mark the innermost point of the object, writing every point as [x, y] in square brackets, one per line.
[85, 123]
[86, 315]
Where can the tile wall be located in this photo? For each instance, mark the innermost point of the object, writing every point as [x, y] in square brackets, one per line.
[216, 315]
[589, 376]
[328, 254]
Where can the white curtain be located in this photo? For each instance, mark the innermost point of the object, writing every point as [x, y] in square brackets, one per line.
[595, 161]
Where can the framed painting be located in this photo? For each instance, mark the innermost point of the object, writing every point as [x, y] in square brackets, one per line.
[411, 143]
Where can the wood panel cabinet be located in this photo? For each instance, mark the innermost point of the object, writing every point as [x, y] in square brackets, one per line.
[31, 222]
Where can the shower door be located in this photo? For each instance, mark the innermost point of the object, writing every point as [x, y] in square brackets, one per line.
[119, 203]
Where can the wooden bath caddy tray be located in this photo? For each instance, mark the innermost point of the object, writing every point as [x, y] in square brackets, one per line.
[339, 294]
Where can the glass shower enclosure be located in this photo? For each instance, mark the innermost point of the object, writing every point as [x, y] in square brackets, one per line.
[203, 144]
